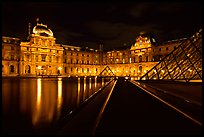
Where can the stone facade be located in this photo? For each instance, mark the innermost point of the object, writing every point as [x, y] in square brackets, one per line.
[42, 56]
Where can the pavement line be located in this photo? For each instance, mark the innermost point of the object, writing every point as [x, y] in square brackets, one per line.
[102, 110]
[173, 94]
[183, 113]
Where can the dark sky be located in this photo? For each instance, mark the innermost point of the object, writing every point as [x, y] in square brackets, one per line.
[112, 24]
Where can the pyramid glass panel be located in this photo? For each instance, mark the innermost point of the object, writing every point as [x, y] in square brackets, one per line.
[106, 72]
[183, 63]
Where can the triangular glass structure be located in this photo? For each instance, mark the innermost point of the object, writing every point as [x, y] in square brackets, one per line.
[183, 63]
[107, 72]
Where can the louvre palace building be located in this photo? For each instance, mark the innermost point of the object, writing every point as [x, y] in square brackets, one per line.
[42, 56]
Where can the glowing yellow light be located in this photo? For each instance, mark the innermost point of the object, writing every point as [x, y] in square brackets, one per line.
[59, 94]
[60, 68]
[162, 71]
[39, 67]
[145, 71]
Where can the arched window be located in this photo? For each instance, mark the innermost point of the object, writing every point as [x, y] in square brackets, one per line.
[12, 69]
[27, 69]
[140, 58]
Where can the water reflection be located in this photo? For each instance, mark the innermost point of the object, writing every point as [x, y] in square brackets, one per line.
[78, 93]
[43, 101]
[95, 81]
[84, 89]
[59, 97]
[36, 114]
[102, 81]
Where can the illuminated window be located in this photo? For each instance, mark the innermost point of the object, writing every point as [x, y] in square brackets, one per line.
[140, 43]
[140, 69]
[140, 58]
[43, 57]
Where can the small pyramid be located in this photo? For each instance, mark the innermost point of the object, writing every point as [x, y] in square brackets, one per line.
[107, 72]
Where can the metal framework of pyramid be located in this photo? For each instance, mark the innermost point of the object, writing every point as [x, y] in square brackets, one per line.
[107, 72]
[183, 63]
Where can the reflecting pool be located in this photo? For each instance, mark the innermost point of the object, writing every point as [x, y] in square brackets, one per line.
[34, 105]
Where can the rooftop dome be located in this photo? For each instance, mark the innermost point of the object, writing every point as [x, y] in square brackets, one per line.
[42, 30]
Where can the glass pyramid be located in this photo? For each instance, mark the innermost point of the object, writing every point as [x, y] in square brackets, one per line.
[183, 63]
[107, 72]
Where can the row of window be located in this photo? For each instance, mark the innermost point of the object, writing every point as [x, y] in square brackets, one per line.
[83, 70]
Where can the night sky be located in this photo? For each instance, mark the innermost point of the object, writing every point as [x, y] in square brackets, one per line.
[113, 24]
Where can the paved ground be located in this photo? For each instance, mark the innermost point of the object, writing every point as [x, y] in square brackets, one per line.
[131, 111]
[191, 91]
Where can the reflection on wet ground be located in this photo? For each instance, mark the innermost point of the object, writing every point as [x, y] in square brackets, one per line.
[34, 105]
